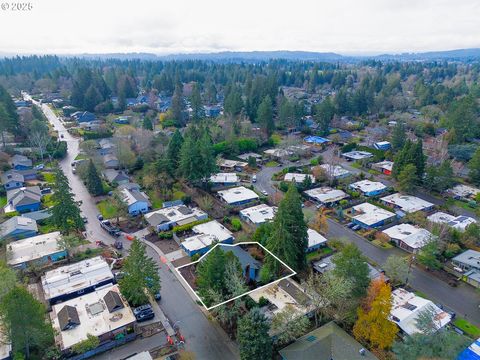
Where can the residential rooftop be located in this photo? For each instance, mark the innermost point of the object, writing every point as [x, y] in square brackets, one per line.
[71, 278]
[315, 238]
[457, 222]
[237, 195]
[298, 178]
[387, 165]
[335, 171]
[206, 234]
[357, 155]
[368, 186]
[407, 203]
[464, 191]
[407, 306]
[326, 194]
[20, 223]
[470, 258]
[94, 313]
[33, 248]
[259, 214]
[370, 214]
[179, 215]
[415, 237]
[221, 178]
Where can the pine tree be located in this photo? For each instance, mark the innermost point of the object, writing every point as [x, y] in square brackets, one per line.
[141, 275]
[211, 274]
[407, 178]
[147, 123]
[196, 103]
[93, 181]
[178, 106]
[65, 211]
[324, 113]
[373, 325]
[265, 116]
[173, 151]
[419, 159]
[474, 167]
[24, 320]
[351, 264]
[289, 238]
[253, 337]
[399, 136]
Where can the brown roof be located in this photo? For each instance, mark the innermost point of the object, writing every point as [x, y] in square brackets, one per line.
[68, 317]
[113, 301]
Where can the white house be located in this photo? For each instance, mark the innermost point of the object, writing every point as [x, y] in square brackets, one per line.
[259, 214]
[205, 235]
[357, 155]
[315, 240]
[407, 306]
[224, 179]
[238, 196]
[384, 167]
[465, 192]
[457, 222]
[326, 195]
[409, 237]
[407, 203]
[103, 313]
[369, 188]
[166, 218]
[298, 178]
[369, 216]
[335, 171]
[137, 201]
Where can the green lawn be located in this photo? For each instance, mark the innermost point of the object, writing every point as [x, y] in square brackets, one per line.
[271, 164]
[154, 199]
[47, 200]
[107, 210]
[3, 201]
[46, 228]
[81, 157]
[315, 255]
[469, 329]
[356, 165]
[381, 244]
[178, 195]
[49, 177]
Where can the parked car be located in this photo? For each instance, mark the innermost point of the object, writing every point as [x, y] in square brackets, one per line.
[85, 219]
[112, 230]
[254, 178]
[264, 192]
[350, 225]
[46, 191]
[143, 313]
[356, 227]
[118, 244]
[39, 167]
[158, 296]
[100, 217]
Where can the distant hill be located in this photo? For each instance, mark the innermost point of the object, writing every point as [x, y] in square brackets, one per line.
[258, 56]
[459, 54]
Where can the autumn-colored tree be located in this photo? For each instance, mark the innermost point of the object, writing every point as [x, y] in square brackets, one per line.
[320, 222]
[372, 326]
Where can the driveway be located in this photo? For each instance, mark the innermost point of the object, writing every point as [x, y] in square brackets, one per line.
[202, 336]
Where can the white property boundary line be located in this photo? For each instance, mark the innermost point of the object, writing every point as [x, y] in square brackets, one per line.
[248, 292]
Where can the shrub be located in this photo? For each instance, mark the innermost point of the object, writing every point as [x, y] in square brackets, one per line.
[195, 257]
[263, 301]
[90, 343]
[236, 224]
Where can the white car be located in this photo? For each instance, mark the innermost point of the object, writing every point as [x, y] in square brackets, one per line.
[264, 192]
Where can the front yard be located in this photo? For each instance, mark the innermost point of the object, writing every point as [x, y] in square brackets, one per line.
[106, 208]
[468, 328]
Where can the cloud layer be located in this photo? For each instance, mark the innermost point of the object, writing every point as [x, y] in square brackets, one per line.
[165, 27]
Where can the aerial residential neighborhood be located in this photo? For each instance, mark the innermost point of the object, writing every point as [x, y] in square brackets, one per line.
[209, 181]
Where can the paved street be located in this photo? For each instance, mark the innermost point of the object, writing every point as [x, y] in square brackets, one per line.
[202, 336]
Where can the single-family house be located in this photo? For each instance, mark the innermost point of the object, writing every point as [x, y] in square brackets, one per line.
[357, 155]
[370, 216]
[130, 186]
[259, 214]
[407, 203]
[12, 180]
[137, 201]
[326, 264]
[385, 167]
[103, 313]
[382, 145]
[212, 111]
[205, 235]
[278, 153]
[464, 192]
[116, 177]
[298, 178]
[166, 218]
[335, 171]
[326, 196]
[83, 116]
[247, 156]
[315, 240]
[224, 179]
[18, 227]
[368, 187]
[106, 146]
[457, 222]
[110, 161]
[315, 140]
[122, 120]
[250, 266]
[467, 264]
[237, 196]
[328, 342]
[231, 165]
[408, 237]
[20, 162]
[406, 308]
[28, 174]
[22, 200]
[68, 282]
[39, 250]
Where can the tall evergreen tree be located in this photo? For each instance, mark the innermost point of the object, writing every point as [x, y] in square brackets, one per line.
[141, 275]
[178, 106]
[93, 181]
[474, 167]
[173, 150]
[253, 337]
[211, 274]
[324, 113]
[399, 136]
[196, 103]
[265, 116]
[289, 238]
[65, 211]
[23, 318]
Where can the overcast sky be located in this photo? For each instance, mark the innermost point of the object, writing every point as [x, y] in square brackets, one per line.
[180, 26]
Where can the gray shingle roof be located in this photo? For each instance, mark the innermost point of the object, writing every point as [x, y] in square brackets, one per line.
[113, 301]
[68, 317]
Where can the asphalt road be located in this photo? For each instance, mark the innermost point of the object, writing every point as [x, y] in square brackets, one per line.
[202, 336]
